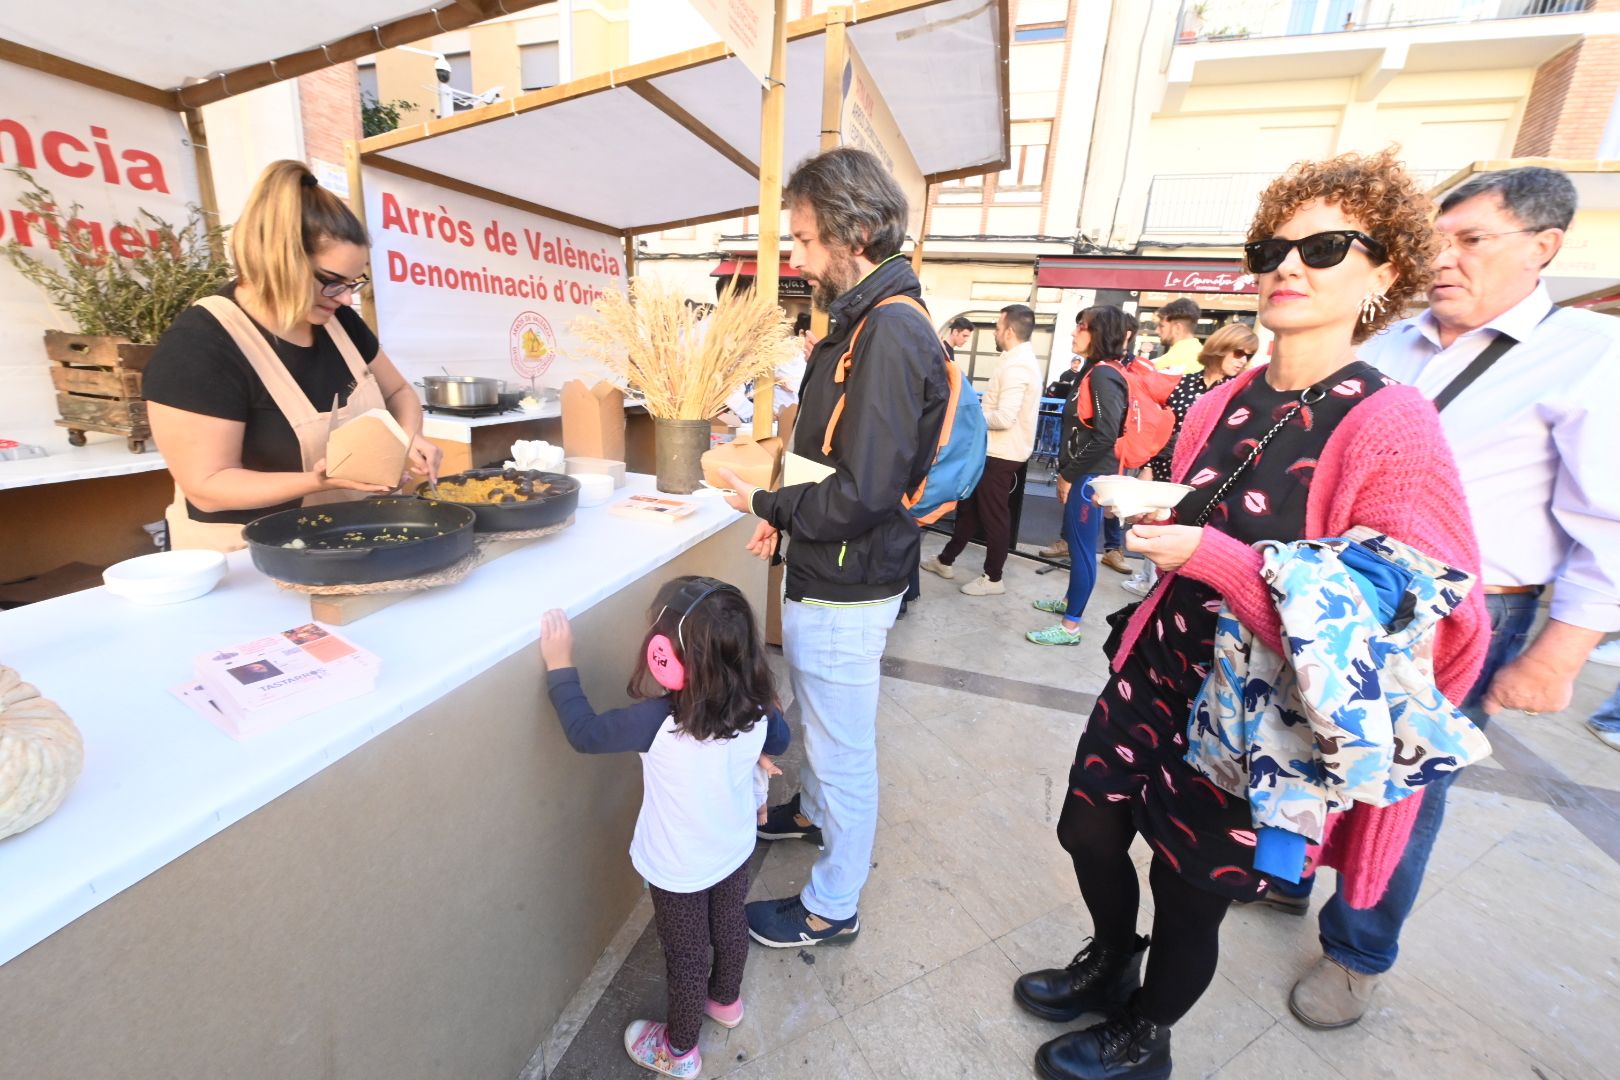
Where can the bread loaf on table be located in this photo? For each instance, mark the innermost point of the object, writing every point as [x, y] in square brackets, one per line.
[41, 755]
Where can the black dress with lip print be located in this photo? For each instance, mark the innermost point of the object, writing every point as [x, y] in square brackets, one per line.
[1135, 744]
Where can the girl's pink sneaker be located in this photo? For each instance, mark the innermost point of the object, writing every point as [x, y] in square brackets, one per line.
[647, 1043]
[727, 1016]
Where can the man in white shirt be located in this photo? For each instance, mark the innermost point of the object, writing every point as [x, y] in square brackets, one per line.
[1011, 405]
[1536, 437]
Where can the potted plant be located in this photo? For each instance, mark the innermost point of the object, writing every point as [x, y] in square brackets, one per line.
[1192, 21]
[685, 362]
[121, 304]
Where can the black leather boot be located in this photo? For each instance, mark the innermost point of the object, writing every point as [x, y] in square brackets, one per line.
[1127, 1046]
[1098, 979]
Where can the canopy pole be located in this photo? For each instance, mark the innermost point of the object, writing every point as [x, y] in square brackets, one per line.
[197, 132]
[767, 270]
[357, 203]
[922, 231]
[832, 110]
[629, 255]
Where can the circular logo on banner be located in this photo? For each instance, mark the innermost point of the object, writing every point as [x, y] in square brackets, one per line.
[533, 343]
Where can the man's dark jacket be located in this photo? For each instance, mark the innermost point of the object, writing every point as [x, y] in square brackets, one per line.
[852, 540]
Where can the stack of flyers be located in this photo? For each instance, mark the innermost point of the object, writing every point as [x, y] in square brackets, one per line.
[249, 688]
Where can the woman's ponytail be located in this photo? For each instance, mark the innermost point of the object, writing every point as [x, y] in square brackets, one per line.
[288, 216]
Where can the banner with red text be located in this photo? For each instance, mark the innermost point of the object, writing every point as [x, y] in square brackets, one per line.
[475, 288]
[115, 158]
[745, 26]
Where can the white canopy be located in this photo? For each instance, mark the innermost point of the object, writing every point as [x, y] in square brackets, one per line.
[676, 141]
[150, 49]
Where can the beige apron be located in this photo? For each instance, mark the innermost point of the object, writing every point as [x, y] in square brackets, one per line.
[308, 424]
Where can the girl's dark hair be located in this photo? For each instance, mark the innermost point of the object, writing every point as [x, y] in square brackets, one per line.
[1109, 326]
[728, 683]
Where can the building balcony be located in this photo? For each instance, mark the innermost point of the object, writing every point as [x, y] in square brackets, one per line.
[1268, 41]
[1212, 207]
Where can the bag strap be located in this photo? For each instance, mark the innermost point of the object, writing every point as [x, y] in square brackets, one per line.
[1481, 364]
[847, 361]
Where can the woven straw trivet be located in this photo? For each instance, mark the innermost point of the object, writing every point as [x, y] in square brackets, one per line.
[450, 575]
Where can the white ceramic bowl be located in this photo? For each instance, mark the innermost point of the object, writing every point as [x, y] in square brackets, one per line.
[594, 488]
[165, 578]
[1130, 497]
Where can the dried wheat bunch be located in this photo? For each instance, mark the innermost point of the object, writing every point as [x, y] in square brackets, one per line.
[686, 365]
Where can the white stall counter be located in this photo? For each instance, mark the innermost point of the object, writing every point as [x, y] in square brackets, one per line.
[159, 780]
[101, 455]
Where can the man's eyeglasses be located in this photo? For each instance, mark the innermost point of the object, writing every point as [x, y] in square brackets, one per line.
[1318, 251]
[333, 287]
[1473, 241]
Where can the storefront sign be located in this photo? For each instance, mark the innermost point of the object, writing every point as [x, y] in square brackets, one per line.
[745, 26]
[1144, 274]
[111, 156]
[865, 121]
[482, 289]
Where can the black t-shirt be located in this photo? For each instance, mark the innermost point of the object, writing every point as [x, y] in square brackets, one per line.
[198, 368]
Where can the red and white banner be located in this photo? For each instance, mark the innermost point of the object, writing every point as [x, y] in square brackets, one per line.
[476, 288]
[112, 156]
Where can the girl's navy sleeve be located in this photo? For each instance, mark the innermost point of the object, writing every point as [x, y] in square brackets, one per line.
[613, 732]
[777, 735]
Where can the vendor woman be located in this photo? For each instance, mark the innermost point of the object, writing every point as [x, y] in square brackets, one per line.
[241, 386]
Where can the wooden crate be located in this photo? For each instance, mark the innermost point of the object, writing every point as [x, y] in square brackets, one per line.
[98, 384]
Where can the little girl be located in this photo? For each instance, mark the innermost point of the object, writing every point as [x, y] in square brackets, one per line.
[699, 732]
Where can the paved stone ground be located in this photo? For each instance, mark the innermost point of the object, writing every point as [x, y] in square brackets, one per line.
[1510, 965]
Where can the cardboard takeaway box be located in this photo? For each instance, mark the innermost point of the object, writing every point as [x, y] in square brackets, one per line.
[370, 449]
[757, 463]
[593, 420]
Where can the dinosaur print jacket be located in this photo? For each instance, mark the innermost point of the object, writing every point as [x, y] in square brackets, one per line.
[1351, 713]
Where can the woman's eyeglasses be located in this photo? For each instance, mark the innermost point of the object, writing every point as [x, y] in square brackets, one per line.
[1318, 251]
[332, 288]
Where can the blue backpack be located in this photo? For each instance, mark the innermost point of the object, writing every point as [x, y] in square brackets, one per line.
[963, 438]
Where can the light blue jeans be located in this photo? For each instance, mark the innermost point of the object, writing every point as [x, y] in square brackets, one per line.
[1607, 718]
[834, 656]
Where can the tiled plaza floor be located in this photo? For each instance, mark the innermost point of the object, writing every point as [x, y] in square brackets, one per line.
[1510, 965]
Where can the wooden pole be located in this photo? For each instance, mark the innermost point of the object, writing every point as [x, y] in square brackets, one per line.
[917, 249]
[767, 276]
[629, 256]
[357, 203]
[197, 132]
[832, 110]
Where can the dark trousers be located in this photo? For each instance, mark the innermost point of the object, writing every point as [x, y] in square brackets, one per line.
[705, 939]
[989, 508]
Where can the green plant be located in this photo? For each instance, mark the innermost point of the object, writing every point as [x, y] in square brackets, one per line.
[104, 292]
[377, 117]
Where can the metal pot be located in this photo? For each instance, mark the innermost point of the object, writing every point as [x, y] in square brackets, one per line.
[462, 391]
[355, 543]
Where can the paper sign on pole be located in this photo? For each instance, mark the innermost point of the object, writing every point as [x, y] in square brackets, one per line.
[475, 288]
[866, 122]
[744, 25]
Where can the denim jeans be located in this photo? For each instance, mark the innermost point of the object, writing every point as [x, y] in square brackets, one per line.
[1113, 534]
[1368, 939]
[1082, 527]
[1607, 718]
[834, 656]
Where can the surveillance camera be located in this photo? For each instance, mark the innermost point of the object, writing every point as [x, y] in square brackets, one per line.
[441, 68]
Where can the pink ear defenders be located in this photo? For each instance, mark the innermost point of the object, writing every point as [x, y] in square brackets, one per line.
[664, 655]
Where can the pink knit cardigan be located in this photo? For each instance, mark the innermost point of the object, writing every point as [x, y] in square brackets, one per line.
[1386, 466]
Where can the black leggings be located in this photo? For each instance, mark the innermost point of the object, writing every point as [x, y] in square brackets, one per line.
[705, 939]
[1186, 919]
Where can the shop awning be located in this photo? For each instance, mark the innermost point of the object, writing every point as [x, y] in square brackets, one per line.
[748, 268]
[1138, 274]
[187, 53]
[675, 141]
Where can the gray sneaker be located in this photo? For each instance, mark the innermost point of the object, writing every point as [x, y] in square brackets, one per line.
[983, 586]
[934, 566]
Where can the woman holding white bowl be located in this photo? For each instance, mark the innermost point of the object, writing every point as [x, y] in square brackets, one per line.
[1306, 446]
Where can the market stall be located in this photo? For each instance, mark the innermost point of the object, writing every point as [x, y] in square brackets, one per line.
[414, 882]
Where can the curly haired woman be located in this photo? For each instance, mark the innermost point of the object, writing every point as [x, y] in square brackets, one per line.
[1306, 446]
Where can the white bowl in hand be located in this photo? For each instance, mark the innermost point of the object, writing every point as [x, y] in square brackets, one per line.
[1129, 497]
[167, 577]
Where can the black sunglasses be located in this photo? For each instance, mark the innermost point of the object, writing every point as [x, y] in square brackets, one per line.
[1319, 250]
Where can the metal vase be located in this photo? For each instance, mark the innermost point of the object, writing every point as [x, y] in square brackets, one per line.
[679, 446]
